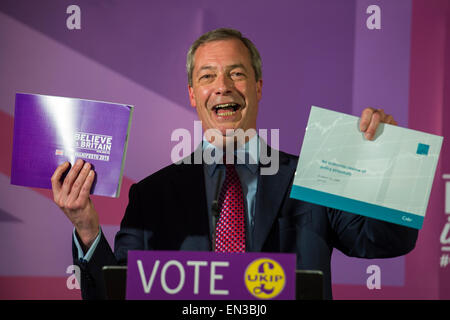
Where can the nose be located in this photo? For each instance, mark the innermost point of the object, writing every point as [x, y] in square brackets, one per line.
[224, 85]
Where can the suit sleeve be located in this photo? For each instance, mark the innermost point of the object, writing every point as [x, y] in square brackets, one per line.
[363, 237]
[130, 237]
[92, 282]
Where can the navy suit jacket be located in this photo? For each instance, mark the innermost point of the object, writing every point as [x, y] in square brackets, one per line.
[168, 211]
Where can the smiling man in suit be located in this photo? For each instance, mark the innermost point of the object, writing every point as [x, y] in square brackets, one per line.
[173, 209]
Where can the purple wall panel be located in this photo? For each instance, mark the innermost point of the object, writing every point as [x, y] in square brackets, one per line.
[135, 38]
[307, 53]
[381, 65]
[380, 80]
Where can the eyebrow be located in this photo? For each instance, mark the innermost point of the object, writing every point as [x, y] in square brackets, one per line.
[237, 65]
[206, 68]
[230, 67]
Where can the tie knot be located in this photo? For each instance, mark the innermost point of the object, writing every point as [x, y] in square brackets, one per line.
[229, 161]
[230, 169]
[225, 161]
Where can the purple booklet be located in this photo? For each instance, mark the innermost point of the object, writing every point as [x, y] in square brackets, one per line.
[49, 130]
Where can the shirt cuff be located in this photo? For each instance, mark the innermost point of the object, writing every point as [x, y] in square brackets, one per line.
[88, 255]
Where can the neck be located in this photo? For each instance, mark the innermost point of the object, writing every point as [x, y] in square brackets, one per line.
[232, 140]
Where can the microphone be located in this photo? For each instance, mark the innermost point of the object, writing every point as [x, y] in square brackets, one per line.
[215, 211]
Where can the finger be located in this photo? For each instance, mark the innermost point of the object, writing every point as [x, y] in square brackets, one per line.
[373, 125]
[366, 117]
[56, 178]
[383, 115]
[70, 178]
[87, 185]
[79, 182]
[390, 120]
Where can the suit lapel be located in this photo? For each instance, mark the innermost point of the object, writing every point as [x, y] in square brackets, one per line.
[190, 186]
[270, 194]
[269, 197]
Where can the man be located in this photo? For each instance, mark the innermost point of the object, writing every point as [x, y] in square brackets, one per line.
[171, 209]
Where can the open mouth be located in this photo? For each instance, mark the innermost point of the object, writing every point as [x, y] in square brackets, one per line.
[226, 109]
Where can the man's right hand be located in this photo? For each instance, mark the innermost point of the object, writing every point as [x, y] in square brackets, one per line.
[72, 196]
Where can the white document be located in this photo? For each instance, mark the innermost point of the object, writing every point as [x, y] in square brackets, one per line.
[388, 178]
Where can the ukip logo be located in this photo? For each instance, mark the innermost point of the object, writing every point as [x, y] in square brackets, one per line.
[265, 278]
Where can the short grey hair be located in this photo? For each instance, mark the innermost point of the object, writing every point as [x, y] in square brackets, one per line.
[224, 34]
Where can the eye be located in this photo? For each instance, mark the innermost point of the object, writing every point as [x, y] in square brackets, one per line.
[237, 75]
[206, 76]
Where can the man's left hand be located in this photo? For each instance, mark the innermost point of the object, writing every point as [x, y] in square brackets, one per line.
[370, 120]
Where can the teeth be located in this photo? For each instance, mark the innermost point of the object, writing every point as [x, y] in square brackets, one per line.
[225, 114]
[225, 105]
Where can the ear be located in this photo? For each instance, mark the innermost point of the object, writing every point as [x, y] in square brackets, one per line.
[259, 84]
[192, 96]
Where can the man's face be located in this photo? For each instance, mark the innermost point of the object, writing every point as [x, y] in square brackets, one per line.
[224, 90]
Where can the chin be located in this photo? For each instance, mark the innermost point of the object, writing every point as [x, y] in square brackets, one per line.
[223, 129]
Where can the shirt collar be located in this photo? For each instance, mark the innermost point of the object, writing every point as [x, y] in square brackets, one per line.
[246, 155]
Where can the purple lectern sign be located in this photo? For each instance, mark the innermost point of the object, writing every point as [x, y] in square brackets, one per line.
[189, 275]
